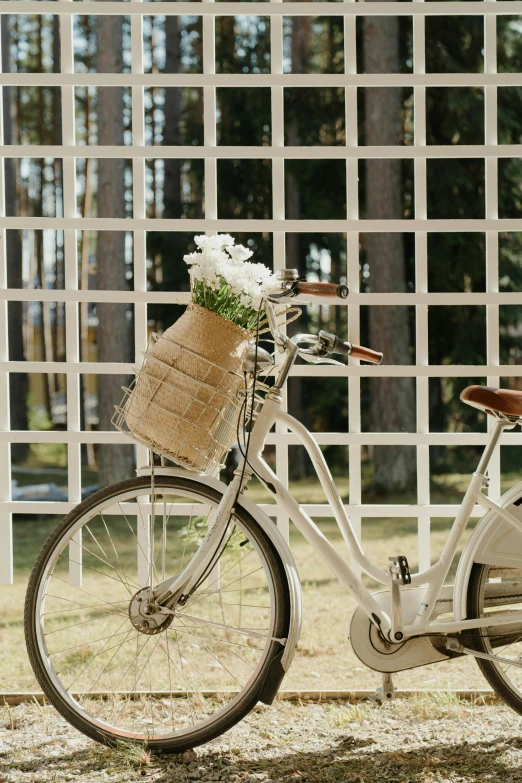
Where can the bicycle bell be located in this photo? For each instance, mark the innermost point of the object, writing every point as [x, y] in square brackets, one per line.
[287, 279]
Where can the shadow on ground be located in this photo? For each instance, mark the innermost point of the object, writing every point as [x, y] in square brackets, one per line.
[396, 744]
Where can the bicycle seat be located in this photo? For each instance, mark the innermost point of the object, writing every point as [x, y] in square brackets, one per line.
[505, 401]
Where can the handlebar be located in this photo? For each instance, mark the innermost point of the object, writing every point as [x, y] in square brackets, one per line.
[321, 289]
[288, 285]
[366, 354]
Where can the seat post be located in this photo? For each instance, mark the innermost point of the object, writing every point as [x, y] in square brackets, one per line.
[499, 427]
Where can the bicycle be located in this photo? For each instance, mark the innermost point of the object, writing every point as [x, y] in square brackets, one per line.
[189, 611]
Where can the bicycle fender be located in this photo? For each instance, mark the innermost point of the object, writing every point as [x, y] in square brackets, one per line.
[280, 545]
[493, 541]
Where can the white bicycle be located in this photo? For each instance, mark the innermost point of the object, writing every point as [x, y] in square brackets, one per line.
[163, 608]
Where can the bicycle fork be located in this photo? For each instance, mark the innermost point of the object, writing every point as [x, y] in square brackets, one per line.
[169, 592]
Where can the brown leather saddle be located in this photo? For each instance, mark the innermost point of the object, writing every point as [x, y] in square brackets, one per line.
[506, 402]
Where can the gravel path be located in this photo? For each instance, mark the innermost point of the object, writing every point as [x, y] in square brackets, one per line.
[428, 739]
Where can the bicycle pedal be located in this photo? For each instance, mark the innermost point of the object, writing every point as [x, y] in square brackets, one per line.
[399, 569]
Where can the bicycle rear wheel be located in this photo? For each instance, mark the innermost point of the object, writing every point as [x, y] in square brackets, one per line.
[504, 676]
[170, 686]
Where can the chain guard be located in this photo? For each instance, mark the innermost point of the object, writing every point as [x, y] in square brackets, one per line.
[383, 656]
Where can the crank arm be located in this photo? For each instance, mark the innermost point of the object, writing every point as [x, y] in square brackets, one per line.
[244, 631]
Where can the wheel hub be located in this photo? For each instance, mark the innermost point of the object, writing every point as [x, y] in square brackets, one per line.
[145, 614]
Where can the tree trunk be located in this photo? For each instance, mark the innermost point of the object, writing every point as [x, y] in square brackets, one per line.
[114, 345]
[392, 399]
[17, 381]
[172, 133]
[300, 50]
[173, 243]
[59, 328]
[46, 338]
[84, 285]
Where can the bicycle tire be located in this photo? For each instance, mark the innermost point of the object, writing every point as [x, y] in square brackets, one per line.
[241, 705]
[478, 640]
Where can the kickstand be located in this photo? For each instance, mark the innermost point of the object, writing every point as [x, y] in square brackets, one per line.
[386, 692]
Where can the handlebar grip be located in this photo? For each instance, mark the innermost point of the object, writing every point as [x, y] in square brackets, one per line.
[366, 354]
[322, 289]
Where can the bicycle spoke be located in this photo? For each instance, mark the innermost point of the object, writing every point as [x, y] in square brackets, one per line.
[134, 662]
[126, 586]
[218, 661]
[114, 548]
[132, 531]
[90, 568]
[222, 642]
[189, 689]
[223, 627]
[192, 631]
[191, 603]
[92, 658]
[185, 679]
[148, 557]
[82, 644]
[170, 680]
[80, 606]
[194, 667]
[110, 661]
[82, 590]
[82, 622]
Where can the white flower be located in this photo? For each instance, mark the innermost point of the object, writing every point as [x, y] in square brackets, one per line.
[238, 254]
[192, 258]
[271, 285]
[218, 263]
[219, 241]
[196, 273]
[201, 240]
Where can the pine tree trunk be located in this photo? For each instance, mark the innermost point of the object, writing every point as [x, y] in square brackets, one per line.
[45, 319]
[393, 399]
[300, 51]
[59, 347]
[114, 344]
[172, 134]
[17, 381]
[84, 285]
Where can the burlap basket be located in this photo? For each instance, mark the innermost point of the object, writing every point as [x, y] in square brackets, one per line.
[185, 402]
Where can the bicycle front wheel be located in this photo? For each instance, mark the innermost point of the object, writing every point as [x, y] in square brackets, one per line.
[171, 685]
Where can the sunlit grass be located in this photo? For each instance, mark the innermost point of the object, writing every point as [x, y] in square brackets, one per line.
[323, 659]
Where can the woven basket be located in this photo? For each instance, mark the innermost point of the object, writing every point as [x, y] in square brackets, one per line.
[184, 403]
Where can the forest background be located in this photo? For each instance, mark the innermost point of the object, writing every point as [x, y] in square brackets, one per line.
[314, 189]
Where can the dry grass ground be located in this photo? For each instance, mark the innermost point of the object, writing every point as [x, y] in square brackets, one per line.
[324, 660]
[429, 739]
[436, 738]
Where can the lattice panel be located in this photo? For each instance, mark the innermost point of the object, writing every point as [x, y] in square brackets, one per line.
[351, 153]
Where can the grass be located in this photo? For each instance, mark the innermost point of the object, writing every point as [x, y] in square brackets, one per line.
[127, 754]
[428, 739]
[324, 659]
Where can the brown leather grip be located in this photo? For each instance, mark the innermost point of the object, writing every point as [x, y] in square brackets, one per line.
[322, 289]
[366, 354]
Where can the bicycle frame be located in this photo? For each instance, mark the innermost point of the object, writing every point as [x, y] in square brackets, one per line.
[432, 578]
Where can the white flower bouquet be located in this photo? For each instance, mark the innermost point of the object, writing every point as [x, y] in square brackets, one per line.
[185, 403]
[225, 282]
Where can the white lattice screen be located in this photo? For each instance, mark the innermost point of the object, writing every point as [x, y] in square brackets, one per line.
[67, 80]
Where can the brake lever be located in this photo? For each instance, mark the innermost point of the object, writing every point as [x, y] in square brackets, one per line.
[313, 358]
[330, 361]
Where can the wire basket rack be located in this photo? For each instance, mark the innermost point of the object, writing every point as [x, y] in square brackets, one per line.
[187, 410]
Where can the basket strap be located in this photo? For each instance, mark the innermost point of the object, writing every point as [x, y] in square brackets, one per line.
[263, 325]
